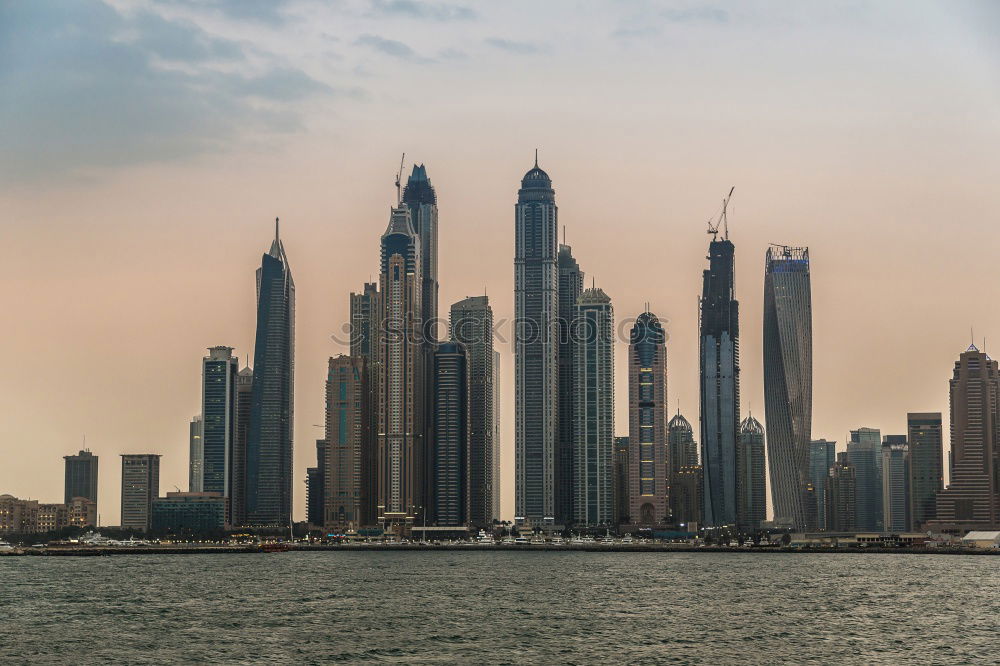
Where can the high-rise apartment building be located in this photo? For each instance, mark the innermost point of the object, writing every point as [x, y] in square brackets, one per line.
[364, 321]
[751, 476]
[895, 483]
[972, 499]
[450, 454]
[924, 433]
[686, 496]
[419, 197]
[219, 371]
[471, 324]
[594, 390]
[841, 496]
[822, 456]
[400, 378]
[682, 453]
[647, 410]
[140, 486]
[719, 353]
[536, 350]
[864, 451]
[788, 380]
[81, 477]
[349, 459]
[620, 461]
[244, 395]
[316, 487]
[570, 288]
[196, 456]
[269, 439]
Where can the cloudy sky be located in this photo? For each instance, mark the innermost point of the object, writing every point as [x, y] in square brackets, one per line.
[146, 147]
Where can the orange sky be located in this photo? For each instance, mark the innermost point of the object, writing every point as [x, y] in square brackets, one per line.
[138, 190]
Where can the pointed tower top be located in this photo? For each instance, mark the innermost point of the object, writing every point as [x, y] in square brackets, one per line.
[276, 249]
[536, 158]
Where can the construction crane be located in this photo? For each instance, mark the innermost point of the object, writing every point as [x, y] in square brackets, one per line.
[399, 179]
[723, 221]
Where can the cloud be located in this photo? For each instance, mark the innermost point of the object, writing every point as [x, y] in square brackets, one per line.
[422, 10]
[696, 15]
[390, 47]
[269, 12]
[88, 87]
[523, 48]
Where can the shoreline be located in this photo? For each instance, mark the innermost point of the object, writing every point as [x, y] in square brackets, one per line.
[502, 548]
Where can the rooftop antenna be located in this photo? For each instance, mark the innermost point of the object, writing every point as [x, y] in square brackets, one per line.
[536, 158]
[564, 226]
[399, 178]
[275, 228]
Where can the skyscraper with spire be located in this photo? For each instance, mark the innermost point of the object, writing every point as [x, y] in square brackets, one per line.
[269, 437]
[420, 198]
[570, 288]
[788, 381]
[647, 418]
[536, 349]
[719, 352]
[400, 378]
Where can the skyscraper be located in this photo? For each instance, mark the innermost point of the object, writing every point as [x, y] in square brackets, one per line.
[140, 486]
[536, 351]
[841, 496]
[495, 489]
[365, 326]
[594, 390]
[400, 378]
[471, 324]
[244, 400]
[682, 454]
[364, 308]
[864, 451]
[420, 198]
[895, 483]
[752, 476]
[570, 288]
[788, 380]
[621, 492]
[647, 410]
[686, 496]
[926, 471]
[218, 426]
[719, 352]
[81, 477]
[348, 473]
[269, 439]
[972, 499]
[822, 456]
[196, 456]
[315, 486]
[450, 455]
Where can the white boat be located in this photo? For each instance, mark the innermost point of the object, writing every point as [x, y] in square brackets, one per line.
[5, 547]
[521, 539]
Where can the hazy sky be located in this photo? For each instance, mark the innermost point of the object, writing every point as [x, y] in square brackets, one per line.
[146, 147]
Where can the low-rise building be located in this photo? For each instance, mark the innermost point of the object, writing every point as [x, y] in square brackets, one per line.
[198, 512]
[978, 539]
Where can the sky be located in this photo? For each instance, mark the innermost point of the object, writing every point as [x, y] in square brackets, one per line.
[146, 148]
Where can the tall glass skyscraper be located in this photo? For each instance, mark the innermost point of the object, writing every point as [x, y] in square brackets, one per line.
[269, 438]
[420, 198]
[682, 465]
[400, 380]
[594, 391]
[349, 456]
[926, 470]
[81, 477]
[822, 456]
[864, 452]
[536, 350]
[647, 411]
[196, 455]
[719, 352]
[788, 381]
[471, 324]
[752, 476]
[570, 288]
[450, 449]
[895, 483]
[218, 421]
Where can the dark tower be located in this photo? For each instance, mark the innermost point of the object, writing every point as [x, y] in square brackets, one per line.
[570, 288]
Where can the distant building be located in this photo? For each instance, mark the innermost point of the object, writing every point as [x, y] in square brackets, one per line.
[81, 477]
[719, 351]
[195, 512]
[244, 396]
[647, 408]
[268, 499]
[895, 483]
[751, 477]
[18, 516]
[686, 494]
[841, 496]
[81, 512]
[570, 288]
[924, 434]
[594, 391]
[349, 474]
[364, 324]
[822, 456]
[972, 499]
[140, 486]
[682, 452]
[536, 350]
[471, 324]
[450, 454]
[218, 421]
[621, 489]
[864, 450]
[315, 486]
[51, 517]
[196, 456]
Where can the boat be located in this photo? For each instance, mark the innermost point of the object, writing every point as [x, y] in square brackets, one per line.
[521, 540]
[279, 547]
[5, 547]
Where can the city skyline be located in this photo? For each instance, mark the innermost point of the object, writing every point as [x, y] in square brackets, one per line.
[848, 191]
